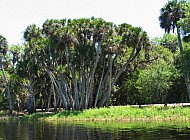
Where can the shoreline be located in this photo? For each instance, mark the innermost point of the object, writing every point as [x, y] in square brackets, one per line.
[112, 114]
[115, 113]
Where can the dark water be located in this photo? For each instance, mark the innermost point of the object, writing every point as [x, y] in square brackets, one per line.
[41, 130]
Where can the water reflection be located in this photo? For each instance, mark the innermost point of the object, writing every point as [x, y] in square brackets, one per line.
[41, 130]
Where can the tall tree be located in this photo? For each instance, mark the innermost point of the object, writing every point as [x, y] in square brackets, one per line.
[3, 52]
[32, 36]
[170, 15]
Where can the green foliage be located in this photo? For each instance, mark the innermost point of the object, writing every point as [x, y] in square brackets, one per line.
[170, 41]
[156, 80]
[119, 113]
[184, 24]
[31, 32]
[3, 46]
[3, 97]
[133, 96]
[186, 51]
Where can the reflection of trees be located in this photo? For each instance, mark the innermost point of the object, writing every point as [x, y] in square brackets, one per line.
[31, 131]
[66, 131]
[10, 130]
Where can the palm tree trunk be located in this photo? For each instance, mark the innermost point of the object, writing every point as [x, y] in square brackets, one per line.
[185, 71]
[82, 81]
[67, 94]
[99, 86]
[31, 98]
[110, 82]
[106, 98]
[71, 67]
[91, 76]
[8, 88]
[60, 91]
[179, 41]
[54, 97]
[104, 86]
[132, 56]
[49, 97]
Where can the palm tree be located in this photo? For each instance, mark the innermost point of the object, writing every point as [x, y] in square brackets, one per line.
[31, 35]
[3, 51]
[170, 15]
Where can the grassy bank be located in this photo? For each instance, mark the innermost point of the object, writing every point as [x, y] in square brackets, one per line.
[135, 125]
[118, 113]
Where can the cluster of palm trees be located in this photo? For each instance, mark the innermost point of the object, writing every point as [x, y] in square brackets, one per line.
[74, 63]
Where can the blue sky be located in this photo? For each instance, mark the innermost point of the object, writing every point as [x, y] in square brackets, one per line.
[16, 15]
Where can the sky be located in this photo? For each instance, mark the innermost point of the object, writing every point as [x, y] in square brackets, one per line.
[16, 15]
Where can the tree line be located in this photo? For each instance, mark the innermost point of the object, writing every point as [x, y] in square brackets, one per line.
[88, 62]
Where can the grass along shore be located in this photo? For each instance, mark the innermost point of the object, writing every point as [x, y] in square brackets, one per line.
[117, 113]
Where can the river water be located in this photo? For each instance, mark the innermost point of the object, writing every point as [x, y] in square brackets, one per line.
[42, 130]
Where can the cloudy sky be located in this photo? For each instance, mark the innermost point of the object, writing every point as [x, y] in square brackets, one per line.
[16, 15]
